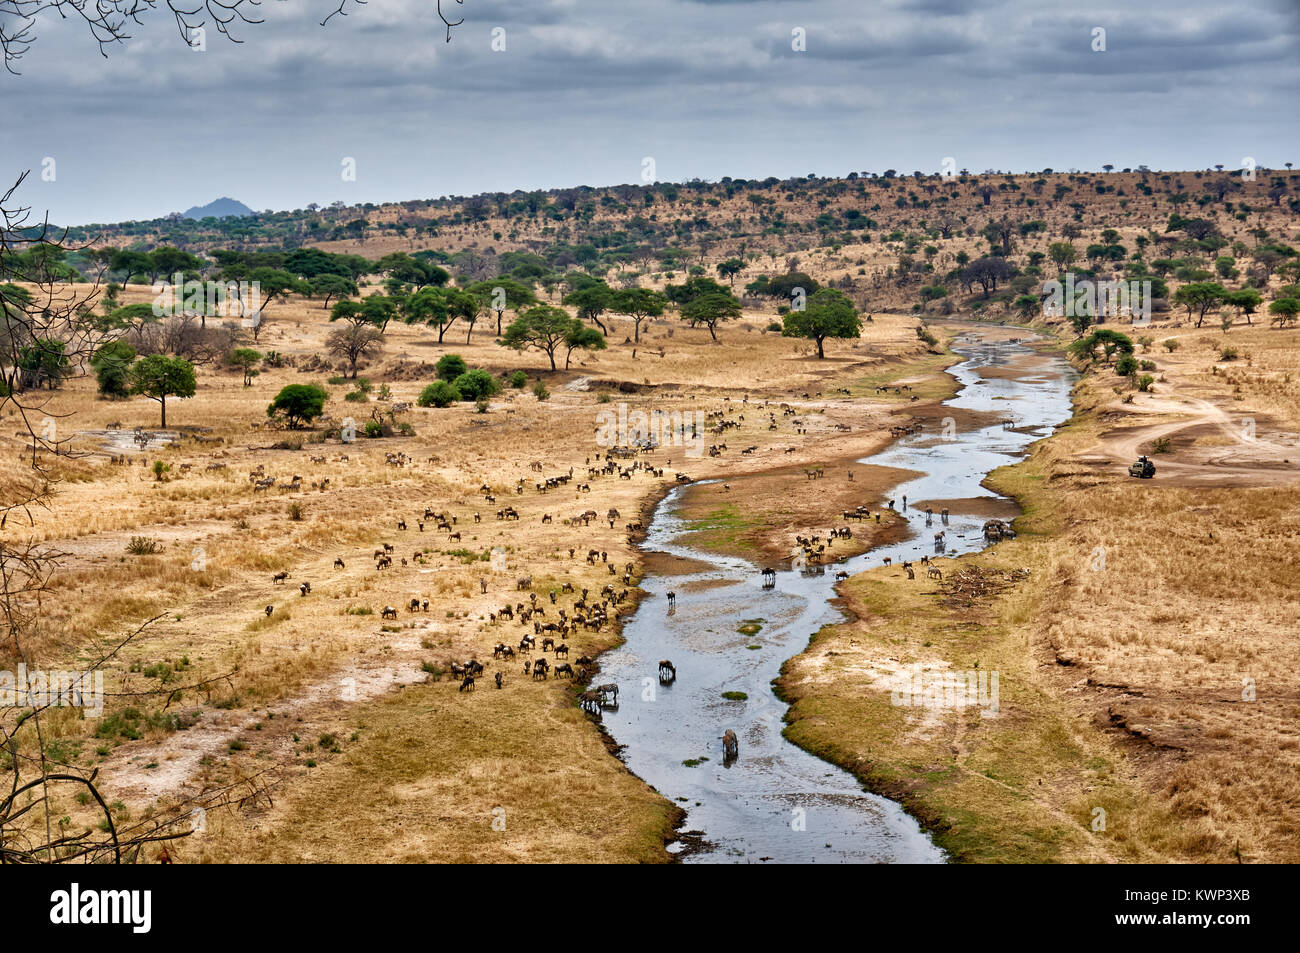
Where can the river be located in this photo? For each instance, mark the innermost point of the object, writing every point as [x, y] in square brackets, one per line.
[776, 802]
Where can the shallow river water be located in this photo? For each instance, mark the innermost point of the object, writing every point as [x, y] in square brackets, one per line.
[775, 802]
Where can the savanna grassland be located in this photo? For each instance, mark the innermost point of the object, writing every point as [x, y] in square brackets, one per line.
[334, 734]
[1146, 659]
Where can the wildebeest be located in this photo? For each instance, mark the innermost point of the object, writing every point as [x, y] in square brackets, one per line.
[672, 600]
[565, 670]
[501, 680]
[609, 689]
[269, 610]
[338, 563]
[388, 612]
[730, 745]
[281, 576]
[468, 684]
[667, 671]
[304, 588]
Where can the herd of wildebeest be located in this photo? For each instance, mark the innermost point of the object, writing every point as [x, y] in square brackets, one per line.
[547, 622]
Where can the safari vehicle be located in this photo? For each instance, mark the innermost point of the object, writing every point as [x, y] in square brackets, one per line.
[1142, 468]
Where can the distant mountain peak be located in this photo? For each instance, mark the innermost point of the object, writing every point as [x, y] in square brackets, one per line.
[220, 208]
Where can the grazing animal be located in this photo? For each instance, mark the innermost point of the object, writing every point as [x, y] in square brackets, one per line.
[561, 649]
[338, 563]
[468, 684]
[501, 680]
[933, 573]
[269, 610]
[304, 588]
[609, 689]
[730, 744]
[565, 670]
[281, 576]
[388, 612]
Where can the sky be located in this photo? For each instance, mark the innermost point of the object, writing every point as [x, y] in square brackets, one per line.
[555, 93]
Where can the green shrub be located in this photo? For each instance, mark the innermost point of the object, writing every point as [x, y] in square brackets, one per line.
[450, 367]
[299, 403]
[518, 379]
[374, 428]
[438, 394]
[143, 546]
[476, 384]
[540, 391]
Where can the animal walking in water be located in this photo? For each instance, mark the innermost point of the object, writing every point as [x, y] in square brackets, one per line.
[672, 600]
[667, 671]
[730, 745]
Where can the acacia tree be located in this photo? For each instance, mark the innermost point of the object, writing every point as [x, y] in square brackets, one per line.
[544, 327]
[638, 304]
[499, 294]
[828, 314]
[352, 342]
[332, 286]
[580, 336]
[438, 307]
[987, 272]
[246, 359]
[710, 310]
[1199, 297]
[591, 301]
[730, 268]
[159, 377]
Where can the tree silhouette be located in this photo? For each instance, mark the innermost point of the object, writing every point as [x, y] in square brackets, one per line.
[110, 21]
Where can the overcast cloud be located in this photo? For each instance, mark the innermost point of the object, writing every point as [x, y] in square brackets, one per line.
[585, 89]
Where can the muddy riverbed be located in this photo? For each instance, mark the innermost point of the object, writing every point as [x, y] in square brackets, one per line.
[728, 634]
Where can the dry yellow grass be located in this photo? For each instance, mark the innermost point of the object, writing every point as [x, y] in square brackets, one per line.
[1148, 663]
[413, 768]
